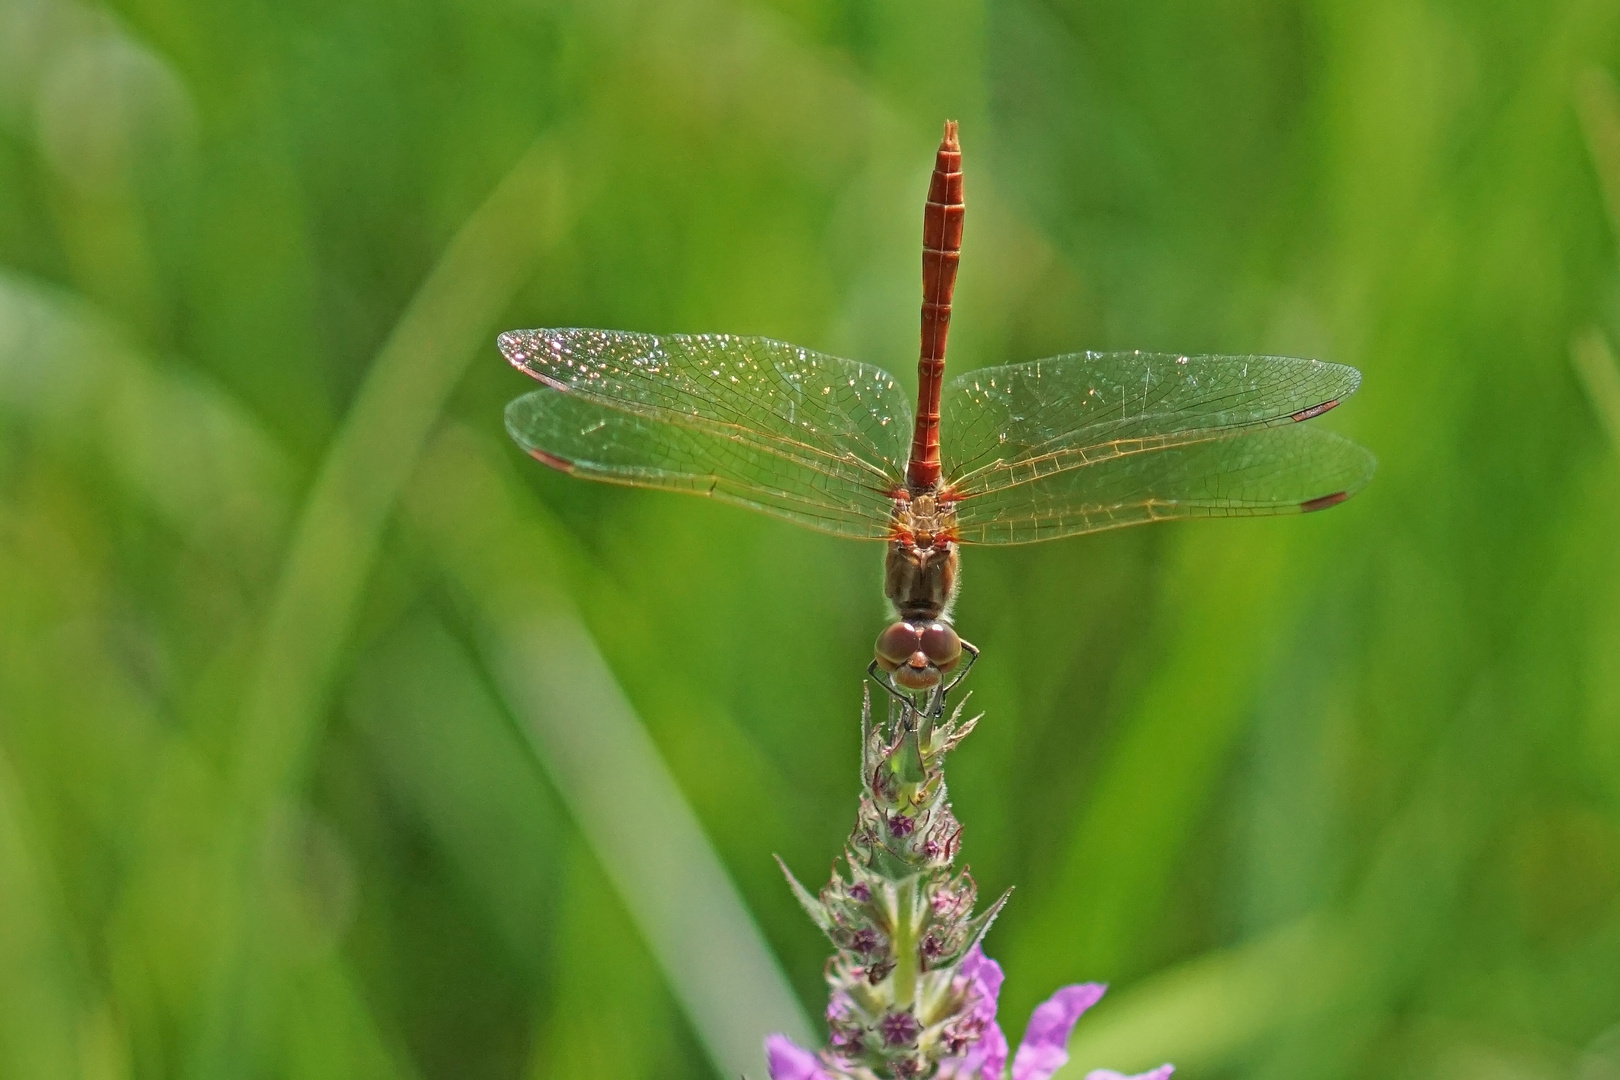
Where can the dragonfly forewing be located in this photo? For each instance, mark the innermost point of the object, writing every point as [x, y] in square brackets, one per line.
[1275, 470]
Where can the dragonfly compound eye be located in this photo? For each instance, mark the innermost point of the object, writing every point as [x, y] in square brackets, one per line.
[941, 645]
[897, 644]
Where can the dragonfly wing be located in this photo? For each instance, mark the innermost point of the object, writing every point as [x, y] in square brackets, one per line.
[1005, 426]
[804, 436]
[1285, 470]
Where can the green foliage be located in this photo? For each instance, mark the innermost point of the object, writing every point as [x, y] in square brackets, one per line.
[310, 763]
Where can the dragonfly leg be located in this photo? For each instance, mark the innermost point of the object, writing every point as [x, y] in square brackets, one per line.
[881, 678]
[972, 655]
[929, 705]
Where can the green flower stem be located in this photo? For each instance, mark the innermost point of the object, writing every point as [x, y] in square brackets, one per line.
[905, 945]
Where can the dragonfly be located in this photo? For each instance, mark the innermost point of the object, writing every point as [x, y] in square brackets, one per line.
[1034, 451]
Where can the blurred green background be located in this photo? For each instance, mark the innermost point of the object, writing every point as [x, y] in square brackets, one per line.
[339, 739]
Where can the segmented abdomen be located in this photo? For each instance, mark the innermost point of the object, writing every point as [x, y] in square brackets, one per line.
[942, 249]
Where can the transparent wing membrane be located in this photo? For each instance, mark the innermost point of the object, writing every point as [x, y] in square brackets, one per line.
[1008, 426]
[1034, 451]
[804, 436]
[1268, 471]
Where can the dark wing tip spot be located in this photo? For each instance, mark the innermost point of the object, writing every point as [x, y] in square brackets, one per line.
[560, 464]
[1314, 410]
[1323, 502]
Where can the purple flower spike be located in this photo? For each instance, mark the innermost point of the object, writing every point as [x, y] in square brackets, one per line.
[789, 1061]
[1045, 1048]
[924, 1002]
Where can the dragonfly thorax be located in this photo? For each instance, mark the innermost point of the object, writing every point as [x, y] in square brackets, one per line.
[919, 575]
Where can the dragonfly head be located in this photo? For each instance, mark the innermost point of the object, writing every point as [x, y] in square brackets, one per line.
[918, 655]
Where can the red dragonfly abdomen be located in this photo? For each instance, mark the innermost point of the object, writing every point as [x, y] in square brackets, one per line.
[942, 249]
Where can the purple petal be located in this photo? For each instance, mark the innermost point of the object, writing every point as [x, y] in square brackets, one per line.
[1045, 1048]
[984, 1061]
[984, 977]
[790, 1061]
[1161, 1073]
[991, 1053]
[988, 1056]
